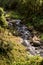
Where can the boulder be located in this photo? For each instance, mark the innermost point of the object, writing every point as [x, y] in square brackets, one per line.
[36, 41]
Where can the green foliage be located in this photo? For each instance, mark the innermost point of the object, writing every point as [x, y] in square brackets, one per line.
[3, 21]
[33, 60]
[31, 10]
[14, 14]
[1, 11]
[37, 22]
[25, 7]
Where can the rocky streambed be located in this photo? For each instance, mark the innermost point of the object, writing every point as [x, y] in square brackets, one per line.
[34, 47]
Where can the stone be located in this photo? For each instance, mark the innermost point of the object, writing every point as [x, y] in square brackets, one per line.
[36, 41]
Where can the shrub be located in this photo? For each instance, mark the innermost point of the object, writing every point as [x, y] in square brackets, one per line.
[3, 21]
[1, 11]
[37, 22]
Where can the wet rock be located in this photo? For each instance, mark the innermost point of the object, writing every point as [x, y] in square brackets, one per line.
[41, 52]
[41, 47]
[36, 44]
[26, 43]
[10, 34]
[32, 50]
[8, 19]
[36, 41]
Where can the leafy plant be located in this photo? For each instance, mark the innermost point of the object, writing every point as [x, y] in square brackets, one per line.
[3, 21]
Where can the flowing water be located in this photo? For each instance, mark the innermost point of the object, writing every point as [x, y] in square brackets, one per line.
[25, 35]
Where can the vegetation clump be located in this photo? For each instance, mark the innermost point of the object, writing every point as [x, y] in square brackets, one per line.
[3, 21]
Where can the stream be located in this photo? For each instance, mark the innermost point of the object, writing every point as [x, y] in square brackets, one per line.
[25, 35]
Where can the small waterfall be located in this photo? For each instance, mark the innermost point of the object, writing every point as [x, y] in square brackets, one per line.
[25, 35]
